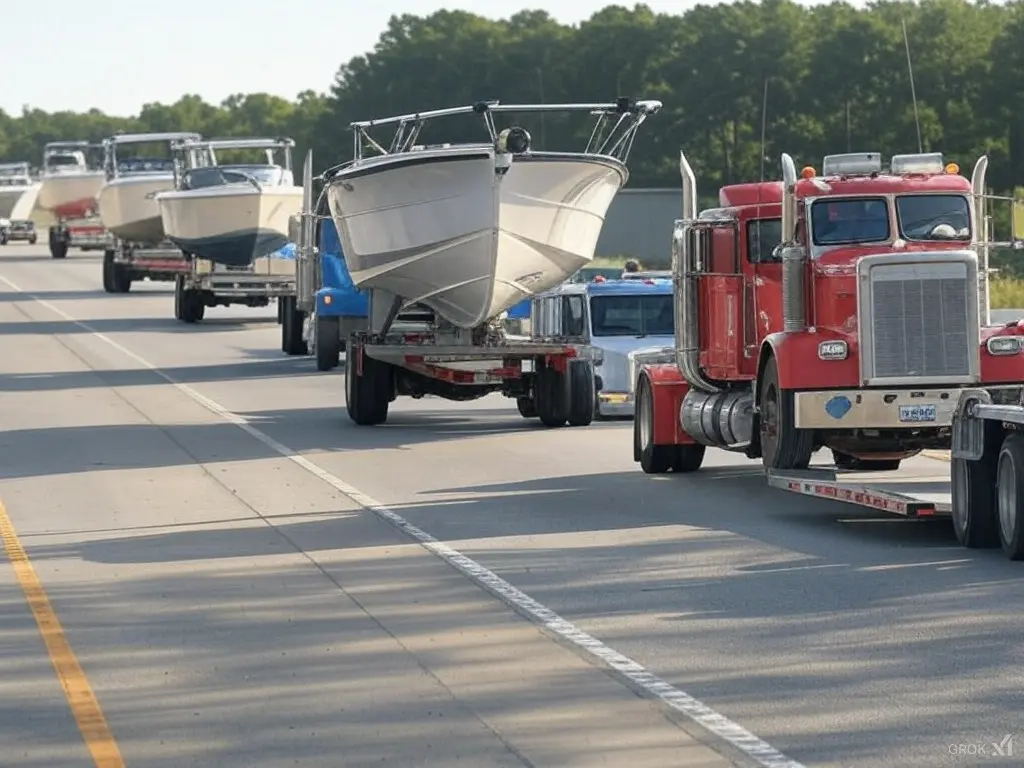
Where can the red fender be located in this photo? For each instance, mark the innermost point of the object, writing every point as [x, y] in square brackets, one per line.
[668, 388]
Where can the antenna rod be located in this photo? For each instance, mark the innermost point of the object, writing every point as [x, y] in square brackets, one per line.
[764, 126]
[913, 93]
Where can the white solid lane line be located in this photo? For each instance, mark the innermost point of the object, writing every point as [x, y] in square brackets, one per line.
[628, 670]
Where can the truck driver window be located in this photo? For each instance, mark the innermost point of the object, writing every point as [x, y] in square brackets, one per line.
[933, 217]
[572, 316]
[763, 237]
[846, 221]
[648, 315]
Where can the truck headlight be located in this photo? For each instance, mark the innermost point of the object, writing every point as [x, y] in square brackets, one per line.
[1003, 345]
[832, 350]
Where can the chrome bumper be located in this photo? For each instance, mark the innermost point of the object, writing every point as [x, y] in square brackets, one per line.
[616, 404]
[876, 408]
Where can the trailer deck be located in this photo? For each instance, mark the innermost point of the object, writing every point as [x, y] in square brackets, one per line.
[914, 490]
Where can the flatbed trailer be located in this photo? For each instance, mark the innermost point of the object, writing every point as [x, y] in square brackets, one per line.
[206, 284]
[908, 493]
[556, 375]
[125, 263]
[86, 233]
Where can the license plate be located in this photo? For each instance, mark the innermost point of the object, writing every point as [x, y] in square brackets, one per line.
[917, 413]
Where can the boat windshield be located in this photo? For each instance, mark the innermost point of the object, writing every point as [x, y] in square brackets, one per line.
[850, 220]
[64, 161]
[199, 178]
[636, 315]
[934, 217]
[145, 165]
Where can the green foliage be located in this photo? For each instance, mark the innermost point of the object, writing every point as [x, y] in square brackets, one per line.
[837, 80]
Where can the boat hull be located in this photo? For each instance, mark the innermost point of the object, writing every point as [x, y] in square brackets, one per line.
[69, 195]
[129, 210]
[443, 228]
[230, 225]
[16, 203]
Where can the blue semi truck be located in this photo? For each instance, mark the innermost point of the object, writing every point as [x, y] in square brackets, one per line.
[337, 307]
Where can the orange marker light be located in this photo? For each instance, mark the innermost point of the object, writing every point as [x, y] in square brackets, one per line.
[952, 168]
[807, 172]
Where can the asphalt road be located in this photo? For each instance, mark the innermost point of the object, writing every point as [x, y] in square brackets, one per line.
[299, 591]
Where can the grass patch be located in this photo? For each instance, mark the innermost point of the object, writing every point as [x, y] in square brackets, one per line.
[1007, 293]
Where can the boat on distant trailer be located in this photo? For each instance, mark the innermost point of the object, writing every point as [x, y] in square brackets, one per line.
[127, 201]
[231, 213]
[68, 185]
[469, 230]
[18, 191]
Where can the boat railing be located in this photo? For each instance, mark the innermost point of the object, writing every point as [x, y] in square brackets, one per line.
[612, 136]
[190, 149]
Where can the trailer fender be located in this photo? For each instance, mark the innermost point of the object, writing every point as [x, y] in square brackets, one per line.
[668, 388]
[796, 355]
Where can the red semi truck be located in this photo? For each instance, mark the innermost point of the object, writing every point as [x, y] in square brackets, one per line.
[845, 310]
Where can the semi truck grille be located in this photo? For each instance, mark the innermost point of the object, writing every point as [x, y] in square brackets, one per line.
[921, 320]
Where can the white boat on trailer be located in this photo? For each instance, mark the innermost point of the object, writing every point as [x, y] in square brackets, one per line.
[469, 230]
[231, 221]
[235, 213]
[18, 191]
[129, 211]
[440, 267]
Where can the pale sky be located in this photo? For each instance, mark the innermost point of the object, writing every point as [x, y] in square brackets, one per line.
[116, 55]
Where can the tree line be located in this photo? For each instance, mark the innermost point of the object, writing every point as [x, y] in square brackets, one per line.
[836, 77]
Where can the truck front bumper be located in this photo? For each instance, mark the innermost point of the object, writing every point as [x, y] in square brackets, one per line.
[616, 404]
[917, 408]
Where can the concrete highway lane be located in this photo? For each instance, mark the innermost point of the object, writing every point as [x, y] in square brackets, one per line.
[229, 606]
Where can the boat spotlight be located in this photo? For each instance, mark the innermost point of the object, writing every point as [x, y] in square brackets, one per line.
[515, 140]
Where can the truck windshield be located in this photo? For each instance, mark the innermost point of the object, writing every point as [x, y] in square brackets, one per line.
[638, 315]
[934, 217]
[845, 221]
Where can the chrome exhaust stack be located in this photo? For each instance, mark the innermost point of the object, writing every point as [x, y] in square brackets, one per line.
[794, 314]
[305, 252]
[687, 264]
[981, 235]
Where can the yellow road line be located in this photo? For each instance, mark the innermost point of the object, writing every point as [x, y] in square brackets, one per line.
[86, 709]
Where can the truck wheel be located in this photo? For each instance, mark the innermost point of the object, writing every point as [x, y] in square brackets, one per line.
[974, 503]
[58, 248]
[552, 396]
[850, 463]
[783, 446]
[108, 271]
[32, 240]
[328, 343]
[292, 319]
[368, 396]
[121, 278]
[527, 408]
[188, 303]
[1010, 496]
[582, 393]
[659, 459]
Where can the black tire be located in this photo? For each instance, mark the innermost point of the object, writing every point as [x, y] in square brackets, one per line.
[58, 249]
[659, 459]
[783, 446]
[292, 319]
[3, 239]
[121, 278]
[1010, 496]
[179, 290]
[845, 461]
[32, 240]
[527, 408]
[974, 501]
[328, 343]
[188, 303]
[551, 396]
[108, 272]
[367, 396]
[582, 393]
